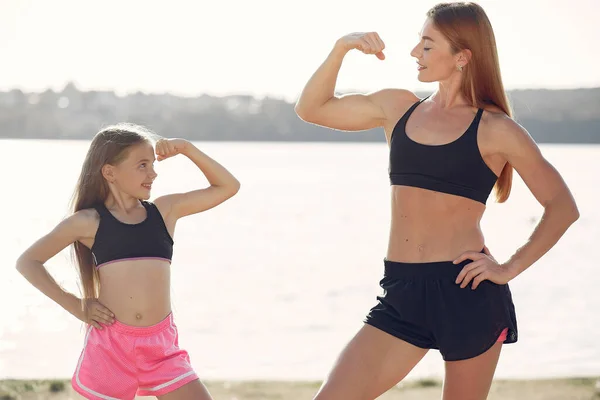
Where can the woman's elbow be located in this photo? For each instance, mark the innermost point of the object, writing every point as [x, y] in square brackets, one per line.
[569, 209]
[301, 111]
[305, 112]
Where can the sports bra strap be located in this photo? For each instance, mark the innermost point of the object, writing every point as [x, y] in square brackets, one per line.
[102, 210]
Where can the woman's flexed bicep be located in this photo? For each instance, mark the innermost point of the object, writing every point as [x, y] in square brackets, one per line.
[357, 112]
[318, 104]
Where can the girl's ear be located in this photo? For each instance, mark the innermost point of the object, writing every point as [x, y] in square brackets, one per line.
[108, 172]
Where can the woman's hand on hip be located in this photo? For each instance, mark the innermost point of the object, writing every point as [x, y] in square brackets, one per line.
[483, 267]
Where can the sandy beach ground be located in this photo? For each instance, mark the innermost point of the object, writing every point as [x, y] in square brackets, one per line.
[553, 389]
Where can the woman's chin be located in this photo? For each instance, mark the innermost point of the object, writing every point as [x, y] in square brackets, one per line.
[422, 77]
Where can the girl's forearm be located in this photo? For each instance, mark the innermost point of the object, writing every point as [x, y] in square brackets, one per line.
[215, 173]
[38, 276]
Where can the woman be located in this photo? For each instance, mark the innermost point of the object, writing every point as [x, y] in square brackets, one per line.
[442, 287]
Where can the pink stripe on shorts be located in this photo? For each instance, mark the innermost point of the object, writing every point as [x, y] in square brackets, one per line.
[122, 361]
[503, 335]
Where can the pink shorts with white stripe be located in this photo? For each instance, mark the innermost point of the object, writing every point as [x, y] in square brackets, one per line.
[122, 361]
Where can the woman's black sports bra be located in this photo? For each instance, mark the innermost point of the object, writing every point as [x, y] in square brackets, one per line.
[455, 168]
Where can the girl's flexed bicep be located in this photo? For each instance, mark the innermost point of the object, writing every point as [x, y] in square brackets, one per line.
[223, 185]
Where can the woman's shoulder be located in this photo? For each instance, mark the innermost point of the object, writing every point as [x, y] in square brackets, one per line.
[393, 98]
[395, 102]
[494, 118]
[500, 129]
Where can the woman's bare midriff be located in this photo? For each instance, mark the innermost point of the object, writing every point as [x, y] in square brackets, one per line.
[136, 291]
[429, 226]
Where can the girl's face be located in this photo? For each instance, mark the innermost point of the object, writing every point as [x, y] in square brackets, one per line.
[135, 174]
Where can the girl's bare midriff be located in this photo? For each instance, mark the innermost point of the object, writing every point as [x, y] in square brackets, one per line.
[136, 291]
[430, 226]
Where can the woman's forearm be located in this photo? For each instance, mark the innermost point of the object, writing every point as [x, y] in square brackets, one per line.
[321, 86]
[558, 216]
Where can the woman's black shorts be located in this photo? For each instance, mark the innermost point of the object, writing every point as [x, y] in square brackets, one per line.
[422, 305]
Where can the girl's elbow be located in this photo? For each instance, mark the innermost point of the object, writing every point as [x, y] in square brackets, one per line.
[22, 264]
[230, 188]
[575, 212]
[235, 187]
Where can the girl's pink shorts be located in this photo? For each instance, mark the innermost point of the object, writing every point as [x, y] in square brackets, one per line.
[121, 361]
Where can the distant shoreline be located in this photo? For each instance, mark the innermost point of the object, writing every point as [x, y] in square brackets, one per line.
[550, 116]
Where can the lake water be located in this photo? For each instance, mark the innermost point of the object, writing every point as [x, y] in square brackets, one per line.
[274, 282]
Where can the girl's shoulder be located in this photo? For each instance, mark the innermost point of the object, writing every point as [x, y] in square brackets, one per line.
[84, 222]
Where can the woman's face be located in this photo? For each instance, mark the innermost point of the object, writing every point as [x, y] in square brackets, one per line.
[434, 55]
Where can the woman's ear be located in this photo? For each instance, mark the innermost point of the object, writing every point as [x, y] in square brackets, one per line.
[464, 57]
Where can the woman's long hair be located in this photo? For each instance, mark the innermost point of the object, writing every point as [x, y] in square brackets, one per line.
[466, 26]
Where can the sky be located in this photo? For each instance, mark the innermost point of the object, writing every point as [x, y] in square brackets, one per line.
[271, 47]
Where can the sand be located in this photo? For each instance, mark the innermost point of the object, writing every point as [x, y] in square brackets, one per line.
[552, 389]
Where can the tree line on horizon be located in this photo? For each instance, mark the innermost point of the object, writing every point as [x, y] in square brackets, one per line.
[550, 116]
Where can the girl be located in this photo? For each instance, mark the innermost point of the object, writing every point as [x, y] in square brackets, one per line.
[447, 152]
[123, 245]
